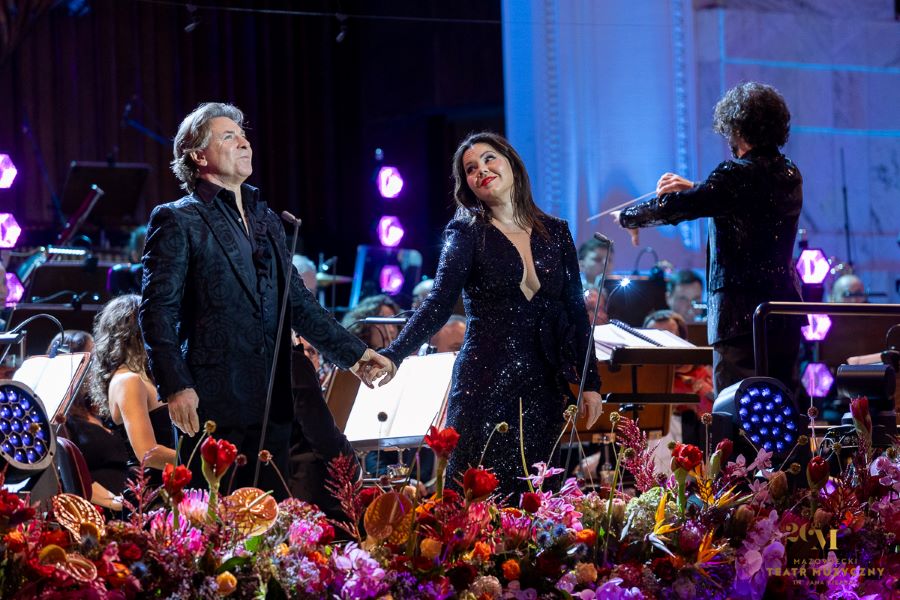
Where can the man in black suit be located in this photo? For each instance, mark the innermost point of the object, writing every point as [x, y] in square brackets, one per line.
[215, 266]
[754, 203]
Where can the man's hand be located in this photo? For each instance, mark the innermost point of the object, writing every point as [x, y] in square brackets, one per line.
[670, 182]
[183, 410]
[634, 233]
[371, 366]
[591, 407]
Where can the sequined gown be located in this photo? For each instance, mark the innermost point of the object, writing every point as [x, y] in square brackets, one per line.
[513, 348]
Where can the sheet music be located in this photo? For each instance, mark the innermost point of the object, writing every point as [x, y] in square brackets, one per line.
[411, 400]
[50, 378]
[608, 337]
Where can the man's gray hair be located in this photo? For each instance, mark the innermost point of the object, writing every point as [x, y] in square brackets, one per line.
[193, 135]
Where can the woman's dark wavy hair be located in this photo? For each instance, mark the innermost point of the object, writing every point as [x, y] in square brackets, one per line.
[370, 306]
[525, 212]
[117, 342]
[755, 112]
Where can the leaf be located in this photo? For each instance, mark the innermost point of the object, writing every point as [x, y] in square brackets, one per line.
[233, 563]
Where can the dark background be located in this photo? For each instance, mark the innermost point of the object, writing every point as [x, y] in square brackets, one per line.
[410, 77]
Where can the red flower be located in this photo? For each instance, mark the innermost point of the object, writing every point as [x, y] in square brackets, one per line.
[859, 409]
[531, 501]
[478, 483]
[130, 551]
[56, 536]
[442, 442]
[218, 455]
[548, 565]
[686, 456]
[462, 575]
[817, 472]
[174, 480]
[725, 448]
[327, 533]
[367, 495]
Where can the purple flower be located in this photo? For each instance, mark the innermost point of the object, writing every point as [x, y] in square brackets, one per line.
[357, 574]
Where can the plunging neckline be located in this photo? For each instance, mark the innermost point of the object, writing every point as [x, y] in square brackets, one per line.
[524, 279]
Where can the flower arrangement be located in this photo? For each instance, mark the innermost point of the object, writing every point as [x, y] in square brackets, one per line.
[716, 526]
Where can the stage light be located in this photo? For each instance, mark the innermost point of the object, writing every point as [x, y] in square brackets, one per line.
[9, 230]
[625, 282]
[812, 266]
[817, 329]
[764, 409]
[7, 171]
[389, 182]
[27, 441]
[15, 289]
[390, 279]
[390, 231]
[817, 380]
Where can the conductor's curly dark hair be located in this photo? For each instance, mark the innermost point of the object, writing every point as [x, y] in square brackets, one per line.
[117, 342]
[755, 112]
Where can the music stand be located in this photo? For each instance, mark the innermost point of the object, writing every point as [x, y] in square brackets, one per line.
[633, 303]
[414, 400]
[81, 278]
[42, 331]
[122, 185]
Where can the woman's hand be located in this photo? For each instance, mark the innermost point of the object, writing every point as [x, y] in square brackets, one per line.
[591, 408]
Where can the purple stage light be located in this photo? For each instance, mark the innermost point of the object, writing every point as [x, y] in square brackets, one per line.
[817, 329]
[812, 266]
[817, 380]
[9, 230]
[389, 182]
[15, 289]
[7, 171]
[390, 231]
[390, 279]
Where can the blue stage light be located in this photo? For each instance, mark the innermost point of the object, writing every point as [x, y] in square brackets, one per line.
[27, 441]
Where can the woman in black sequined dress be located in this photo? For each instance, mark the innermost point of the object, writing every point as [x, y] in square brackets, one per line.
[527, 330]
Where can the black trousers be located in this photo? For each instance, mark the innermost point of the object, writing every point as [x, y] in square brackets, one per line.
[733, 359]
[315, 439]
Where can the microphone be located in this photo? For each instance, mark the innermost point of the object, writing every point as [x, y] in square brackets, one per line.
[384, 320]
[281, 314]
[291, 219]
[603, 239]
[127, 112]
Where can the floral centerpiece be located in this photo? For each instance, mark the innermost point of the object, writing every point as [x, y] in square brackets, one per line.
[714, 526]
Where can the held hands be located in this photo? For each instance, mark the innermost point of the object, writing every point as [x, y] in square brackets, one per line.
[591, 408]
[372, 366]
[670, 182]
[634, 233]
[183, 410]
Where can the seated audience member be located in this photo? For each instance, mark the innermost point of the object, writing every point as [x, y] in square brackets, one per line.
[422, 289]
[591, 255]
[307, 270]
[375, 336]
[122, 389]
[449, 338]
[591, 296]
[104, 452]
[682, 290]
[848, 288]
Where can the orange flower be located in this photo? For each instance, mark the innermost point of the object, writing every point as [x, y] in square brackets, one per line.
[15, 541]
[318, 558]
[481, 552]
[587, 537]
[511, 570]
[227, 583]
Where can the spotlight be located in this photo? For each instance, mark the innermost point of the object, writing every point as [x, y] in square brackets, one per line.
[7, 171]
[391, 279]
[812, 265]
[9, 230]
[817, 380]
[27, 442]
[15, 289]
[390, 231]
[763, 408]
[818, 328]
[389, 182]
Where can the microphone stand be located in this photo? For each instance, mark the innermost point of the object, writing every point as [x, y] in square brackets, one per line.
[590, 346]
[846, 211]
[284, 301]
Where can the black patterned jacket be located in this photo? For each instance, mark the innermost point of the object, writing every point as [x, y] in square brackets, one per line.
[201, 317]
